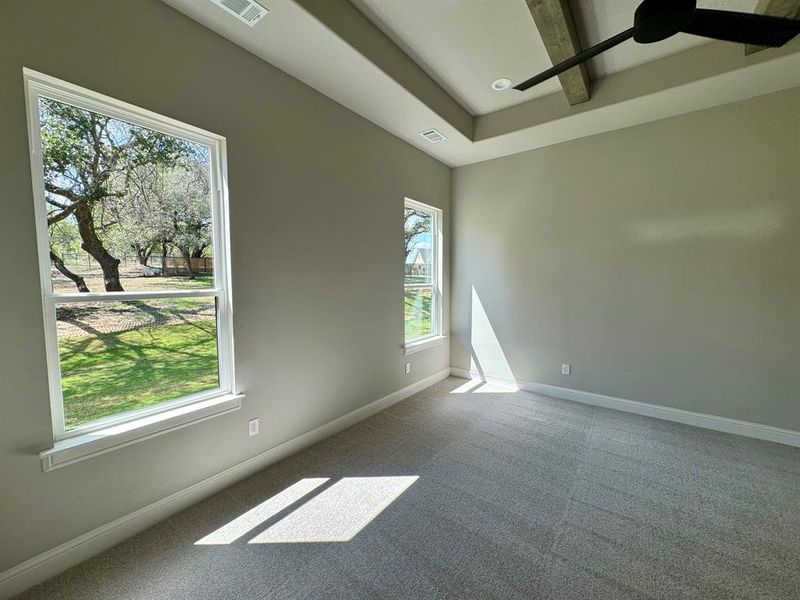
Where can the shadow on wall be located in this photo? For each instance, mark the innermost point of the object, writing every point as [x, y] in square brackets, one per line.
[487, 358]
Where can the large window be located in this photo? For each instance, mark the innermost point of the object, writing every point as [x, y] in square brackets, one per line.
[132, 231]
[422, 246]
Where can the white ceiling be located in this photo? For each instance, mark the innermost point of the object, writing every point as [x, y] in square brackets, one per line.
[466, 44]
[429, 63]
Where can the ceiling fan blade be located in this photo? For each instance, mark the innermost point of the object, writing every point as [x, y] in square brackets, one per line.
[743, 28]
[575, 60]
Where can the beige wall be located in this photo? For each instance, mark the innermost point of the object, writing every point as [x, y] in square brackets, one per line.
[309, 182]
[661, 261]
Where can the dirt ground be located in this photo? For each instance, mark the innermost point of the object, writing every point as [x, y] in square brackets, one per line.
[132, 281]
[93, 318]
[84, 320]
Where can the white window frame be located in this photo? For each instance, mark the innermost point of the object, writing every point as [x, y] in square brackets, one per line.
[169, 414]
[435, 337]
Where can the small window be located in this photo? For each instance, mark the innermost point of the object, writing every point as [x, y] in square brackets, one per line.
[133, 252]
[422, 246]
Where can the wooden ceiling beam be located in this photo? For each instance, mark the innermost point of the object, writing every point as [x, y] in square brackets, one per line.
[775, 8]
[556, 25]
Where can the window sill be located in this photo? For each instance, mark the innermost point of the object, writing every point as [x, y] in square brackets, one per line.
[81, 447]
[424, 344]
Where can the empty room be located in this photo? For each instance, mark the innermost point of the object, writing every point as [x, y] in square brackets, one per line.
[400, 299]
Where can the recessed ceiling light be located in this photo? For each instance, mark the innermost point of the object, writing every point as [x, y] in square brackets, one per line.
[498, 85]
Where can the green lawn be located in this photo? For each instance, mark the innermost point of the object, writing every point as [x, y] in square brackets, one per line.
[417, 313]
[110, 373]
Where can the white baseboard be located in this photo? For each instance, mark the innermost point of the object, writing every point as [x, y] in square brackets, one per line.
[45, 565]
[687, 417]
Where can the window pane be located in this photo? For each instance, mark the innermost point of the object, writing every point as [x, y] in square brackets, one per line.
[121, 356]
[418, 318]
[128, 208]
[418, 238]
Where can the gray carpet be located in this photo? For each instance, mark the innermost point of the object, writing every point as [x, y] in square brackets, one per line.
[518, 496]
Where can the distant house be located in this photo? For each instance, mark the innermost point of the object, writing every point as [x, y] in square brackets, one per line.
[418, 261]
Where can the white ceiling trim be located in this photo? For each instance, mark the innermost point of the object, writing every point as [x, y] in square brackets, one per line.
[610, 110]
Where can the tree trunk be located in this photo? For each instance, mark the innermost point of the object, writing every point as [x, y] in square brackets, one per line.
[187, 257]
[197, 251]
[163, 258]
[76, 279]
[142, 253]
[94, 246]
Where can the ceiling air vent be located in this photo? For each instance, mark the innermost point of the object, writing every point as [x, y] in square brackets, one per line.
[246, 11]
[433, 135]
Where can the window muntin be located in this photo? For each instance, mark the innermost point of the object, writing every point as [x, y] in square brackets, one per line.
[133, 248]
[422, 271]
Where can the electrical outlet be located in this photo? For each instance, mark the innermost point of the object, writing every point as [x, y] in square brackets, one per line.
[252, 427]
[408, 368]
[566, 369]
